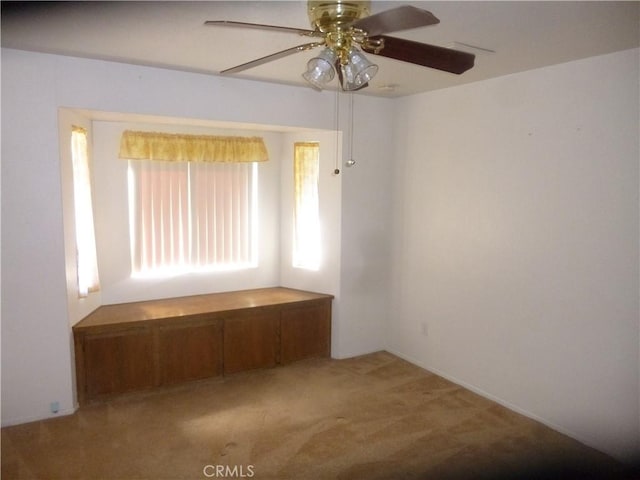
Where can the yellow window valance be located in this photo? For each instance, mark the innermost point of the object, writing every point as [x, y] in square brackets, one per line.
[191, 148]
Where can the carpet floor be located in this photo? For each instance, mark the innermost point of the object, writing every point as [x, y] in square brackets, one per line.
[371, 417]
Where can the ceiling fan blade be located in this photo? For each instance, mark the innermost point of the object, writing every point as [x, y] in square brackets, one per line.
[259, 26]
[272, 57]
[394, 20]
[440, 58]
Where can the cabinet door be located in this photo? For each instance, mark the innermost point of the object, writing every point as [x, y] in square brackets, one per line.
[251, 341]
[305, 332]
[190, 352]
[118, 361]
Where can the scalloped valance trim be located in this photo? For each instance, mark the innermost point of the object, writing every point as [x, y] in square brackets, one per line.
[172, 147]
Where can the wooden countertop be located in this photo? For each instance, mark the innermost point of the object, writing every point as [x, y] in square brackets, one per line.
[193, 305]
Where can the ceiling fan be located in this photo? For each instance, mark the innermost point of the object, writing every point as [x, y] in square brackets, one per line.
[346, 28]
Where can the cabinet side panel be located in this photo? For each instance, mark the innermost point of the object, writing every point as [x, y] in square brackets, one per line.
[305, 332]
[81, 386]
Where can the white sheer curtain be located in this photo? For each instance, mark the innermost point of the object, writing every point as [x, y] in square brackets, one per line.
[87, 260]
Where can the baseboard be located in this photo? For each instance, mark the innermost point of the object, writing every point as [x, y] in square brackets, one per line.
[507, 404]
[37, 418]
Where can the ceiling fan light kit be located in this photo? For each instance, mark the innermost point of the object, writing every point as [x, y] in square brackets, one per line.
[320, 69]
[358, 71]
[346, 29]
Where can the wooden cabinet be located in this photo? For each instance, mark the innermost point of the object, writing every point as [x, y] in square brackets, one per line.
[142, 345]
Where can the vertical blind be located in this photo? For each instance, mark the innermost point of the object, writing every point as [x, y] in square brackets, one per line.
[159, 216]
[221, 199]
[189, 212]
[190, 216]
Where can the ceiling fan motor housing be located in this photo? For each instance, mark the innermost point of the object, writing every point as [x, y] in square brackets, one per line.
[337, 15]
[334, 19]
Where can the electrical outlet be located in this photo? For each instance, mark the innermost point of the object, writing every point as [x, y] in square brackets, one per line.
[424, 329]
[54, 407]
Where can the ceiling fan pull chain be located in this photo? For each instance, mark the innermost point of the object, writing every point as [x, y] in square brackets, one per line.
[336, 170]
[351, 162]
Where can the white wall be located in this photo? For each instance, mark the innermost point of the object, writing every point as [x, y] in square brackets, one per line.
[366, 230]
[37, 365]
[36, 346]
[517, 218]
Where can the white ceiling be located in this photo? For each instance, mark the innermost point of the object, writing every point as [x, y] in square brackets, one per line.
[523, 35]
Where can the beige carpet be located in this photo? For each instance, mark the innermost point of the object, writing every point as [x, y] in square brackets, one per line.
[371, 417]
